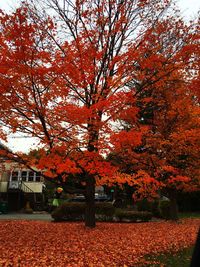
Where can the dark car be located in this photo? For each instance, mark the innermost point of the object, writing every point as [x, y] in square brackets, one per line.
[98, 198]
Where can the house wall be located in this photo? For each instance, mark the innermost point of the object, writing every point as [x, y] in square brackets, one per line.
[5, 173]
[3, 187]
[19, 185]
[35, 186]
[4, 176]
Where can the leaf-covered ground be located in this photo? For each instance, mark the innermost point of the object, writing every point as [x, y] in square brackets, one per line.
[36, 243]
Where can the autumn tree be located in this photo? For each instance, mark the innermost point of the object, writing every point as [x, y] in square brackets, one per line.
[167, 159]
[172, 144]
[65, 79]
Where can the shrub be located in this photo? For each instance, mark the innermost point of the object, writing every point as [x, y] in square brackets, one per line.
[189, 201]
[104, 211]
[164, 207]
[133, 216]
[71, 211]
[144, 205]
[104, 208]
[151, 206]
[155, 208]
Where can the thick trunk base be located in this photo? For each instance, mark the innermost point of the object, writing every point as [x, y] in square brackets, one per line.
[90, 216]
[173, 209]
[90, 203]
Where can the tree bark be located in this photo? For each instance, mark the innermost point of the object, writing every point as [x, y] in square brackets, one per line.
[90, 203]
[173, 206]
[195, 262]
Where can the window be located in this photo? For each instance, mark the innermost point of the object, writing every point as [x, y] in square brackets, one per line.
[24, 175]
[14, 176]
[37, 176]
[31, 176]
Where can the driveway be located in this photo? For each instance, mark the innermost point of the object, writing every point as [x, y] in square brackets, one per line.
[36, 216]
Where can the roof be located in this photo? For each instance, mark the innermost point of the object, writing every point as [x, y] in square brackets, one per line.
[4, 147]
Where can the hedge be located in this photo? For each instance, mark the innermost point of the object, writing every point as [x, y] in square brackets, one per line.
[189, 201]
[164, 207]
[70, 211]
[151, 206]
[133, 216]
[104, 211]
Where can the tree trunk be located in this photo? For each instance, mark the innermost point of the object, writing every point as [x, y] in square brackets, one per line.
[195, 262]
[93, 136]
[173, 207]
[90, 203]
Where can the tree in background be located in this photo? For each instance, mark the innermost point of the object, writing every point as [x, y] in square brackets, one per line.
[68, 78]
[169, 153]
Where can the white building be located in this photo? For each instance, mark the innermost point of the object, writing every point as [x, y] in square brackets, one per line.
[18, 184]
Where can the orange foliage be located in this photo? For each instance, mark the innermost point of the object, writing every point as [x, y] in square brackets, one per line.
[70, 84]
[169, 148]
[26, 243]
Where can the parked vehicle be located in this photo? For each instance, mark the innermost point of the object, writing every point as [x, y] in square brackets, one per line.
[98, 198]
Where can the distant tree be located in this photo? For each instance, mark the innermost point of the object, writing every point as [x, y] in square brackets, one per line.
[170, 147]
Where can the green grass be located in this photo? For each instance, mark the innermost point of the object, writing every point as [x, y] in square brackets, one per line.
[189, 215]
[179, 259]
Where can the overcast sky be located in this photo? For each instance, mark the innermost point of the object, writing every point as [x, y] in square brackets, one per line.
[188, 8]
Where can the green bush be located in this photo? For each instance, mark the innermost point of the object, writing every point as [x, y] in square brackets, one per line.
[70, 211]
[104, 208]
[164, 207]
[144, 205]
[189, 201]
[151, 206]
[133, 216]
[155, 208]
[104, 211]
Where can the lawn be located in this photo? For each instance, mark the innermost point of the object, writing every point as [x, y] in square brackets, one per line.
[189, 215]
[36, 243]
[181, 258]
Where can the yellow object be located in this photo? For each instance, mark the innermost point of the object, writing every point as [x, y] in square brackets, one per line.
[59, 189]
